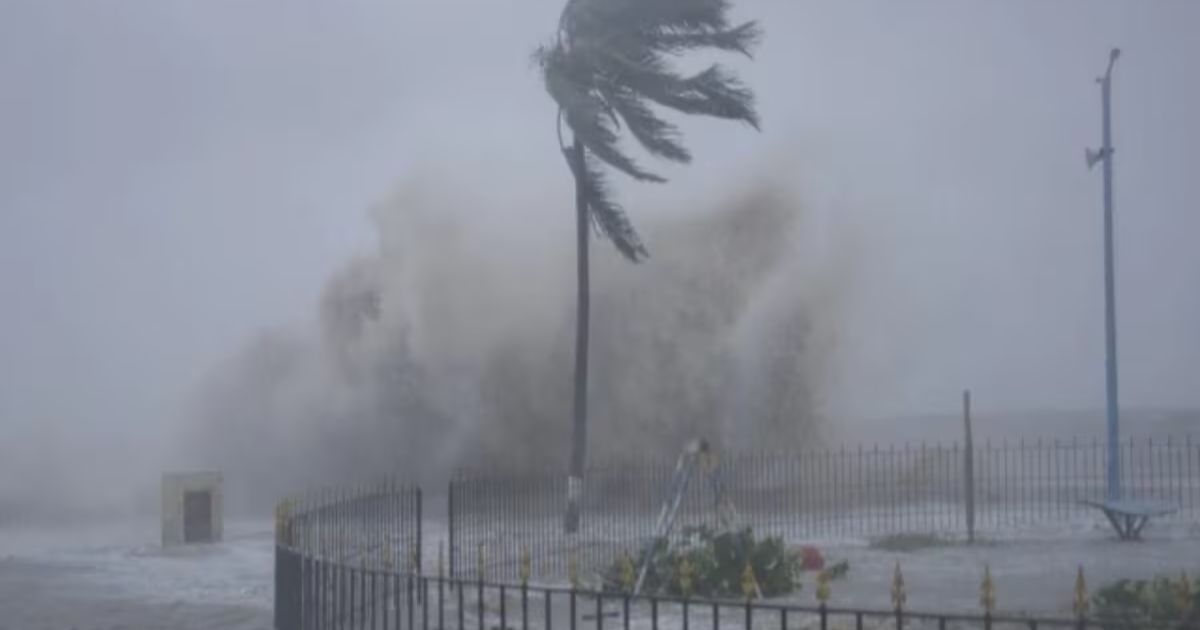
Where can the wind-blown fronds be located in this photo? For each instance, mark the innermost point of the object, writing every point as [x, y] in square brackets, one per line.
[741, 39]
[591, 119]
[656, 135]
[608, 216]
[601, 15]
[609, 68]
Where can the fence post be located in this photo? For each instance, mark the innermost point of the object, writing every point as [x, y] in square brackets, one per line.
[287, 583]
[278, 577]
[450, 527]
[420, 543]
[899, 596]
[280, 588]
[969, 467]
[1081, 598]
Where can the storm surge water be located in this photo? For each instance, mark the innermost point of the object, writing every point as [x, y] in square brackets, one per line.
[450, 345]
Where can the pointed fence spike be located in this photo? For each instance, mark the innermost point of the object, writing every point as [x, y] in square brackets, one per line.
[987, 592]
[573, 570]
[628, 573]
[749, 583]
[899, 595]
[1081, 594]
[1186, 596]
[526, 566]
[684, 574]
[823, 581]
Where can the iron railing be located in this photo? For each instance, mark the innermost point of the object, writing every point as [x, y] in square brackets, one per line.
[374, 527]
[322, 594]
[841, 493]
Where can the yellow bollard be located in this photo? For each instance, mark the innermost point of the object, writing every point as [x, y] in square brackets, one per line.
[573, 571]
[1185, 593]
[284, 535]
[628, 574]
[288, 522]
[526, 566]
[823, 587]
[899, 596]
[281, 515]
[749, 584]
[987, 592]
[1081, 594]
[685, 577]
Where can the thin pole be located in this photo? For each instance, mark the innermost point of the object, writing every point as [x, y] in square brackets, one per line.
[969, 464]
[1105, 155]
[583, 306]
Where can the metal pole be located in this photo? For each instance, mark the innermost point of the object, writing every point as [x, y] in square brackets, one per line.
[969, 465]
[450, 527]
[1105, 154]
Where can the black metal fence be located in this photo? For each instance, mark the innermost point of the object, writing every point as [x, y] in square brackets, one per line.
[351, 558]
[375, 528]
[326, 594]
[839, 493]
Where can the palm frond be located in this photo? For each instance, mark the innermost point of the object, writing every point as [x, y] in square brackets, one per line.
[583, 17]
[656, 135]
[609, 66]
[590, 118]
[713, 92]
[608, 217]
[742, 39]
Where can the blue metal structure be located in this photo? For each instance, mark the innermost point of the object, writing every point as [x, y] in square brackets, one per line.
[1105, 154]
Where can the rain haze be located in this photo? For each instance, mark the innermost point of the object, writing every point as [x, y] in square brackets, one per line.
[301, 242]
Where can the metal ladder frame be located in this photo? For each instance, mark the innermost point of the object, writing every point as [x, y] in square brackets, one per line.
[685, 466]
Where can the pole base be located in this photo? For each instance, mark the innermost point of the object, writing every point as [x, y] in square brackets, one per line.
[571, 517]
[574, 493]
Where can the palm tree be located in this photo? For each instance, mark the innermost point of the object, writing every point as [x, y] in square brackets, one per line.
[608, 66]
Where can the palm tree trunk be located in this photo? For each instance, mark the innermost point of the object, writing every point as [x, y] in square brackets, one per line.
[579, 424]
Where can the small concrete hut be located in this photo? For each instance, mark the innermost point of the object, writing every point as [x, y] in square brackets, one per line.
[191, 508]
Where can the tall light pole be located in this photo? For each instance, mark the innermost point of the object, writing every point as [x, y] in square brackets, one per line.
[1105, 154]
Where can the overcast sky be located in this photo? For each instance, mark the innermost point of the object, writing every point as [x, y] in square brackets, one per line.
[176, 175]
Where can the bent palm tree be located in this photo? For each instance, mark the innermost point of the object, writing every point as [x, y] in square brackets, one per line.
[608, 66]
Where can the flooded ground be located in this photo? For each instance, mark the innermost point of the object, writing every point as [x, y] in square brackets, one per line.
[117, 576]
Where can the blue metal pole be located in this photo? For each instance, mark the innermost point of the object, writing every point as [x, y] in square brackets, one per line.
[1110, 317]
